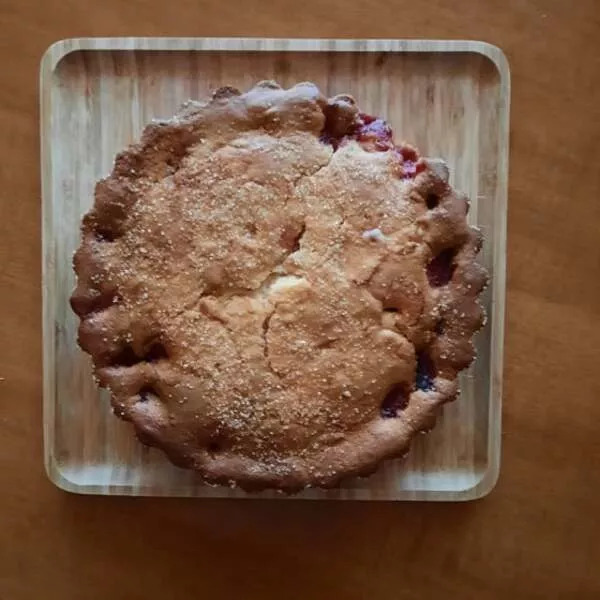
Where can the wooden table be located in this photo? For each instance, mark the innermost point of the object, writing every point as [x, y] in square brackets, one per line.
[536, 536]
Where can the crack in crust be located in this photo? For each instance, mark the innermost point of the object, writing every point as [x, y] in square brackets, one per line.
[262, 275]
[265, 327]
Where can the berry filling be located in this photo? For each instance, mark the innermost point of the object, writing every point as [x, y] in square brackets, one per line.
[432, 200]
[441, 268]
[425, 373]
[374, 135]
[395, 401]
[374, 131]
[156, 352]
[213, 448]
[146, 392]
[104, 234]
[127, 357]
[328, 138]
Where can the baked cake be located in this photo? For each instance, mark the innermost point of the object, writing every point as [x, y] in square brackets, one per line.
[274, 292]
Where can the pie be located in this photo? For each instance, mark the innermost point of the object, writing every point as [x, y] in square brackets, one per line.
[275, 293]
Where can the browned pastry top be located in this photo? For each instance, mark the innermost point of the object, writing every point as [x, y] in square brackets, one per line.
[273, 292]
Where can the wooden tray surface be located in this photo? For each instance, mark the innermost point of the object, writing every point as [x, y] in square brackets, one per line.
[449, 98]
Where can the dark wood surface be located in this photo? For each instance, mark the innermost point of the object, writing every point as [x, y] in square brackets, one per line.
[536, 536]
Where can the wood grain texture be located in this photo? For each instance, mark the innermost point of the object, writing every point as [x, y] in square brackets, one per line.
[449, 98]
[534, 537]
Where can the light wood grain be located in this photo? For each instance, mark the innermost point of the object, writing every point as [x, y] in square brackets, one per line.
[449, 98]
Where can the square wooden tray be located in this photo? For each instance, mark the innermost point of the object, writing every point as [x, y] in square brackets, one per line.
[450, 98]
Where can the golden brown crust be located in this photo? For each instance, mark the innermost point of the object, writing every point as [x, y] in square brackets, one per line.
[273, 292]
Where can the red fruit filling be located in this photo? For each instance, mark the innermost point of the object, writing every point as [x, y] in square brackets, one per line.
[374, 131]
[395, 401]
[425, 373]
[441, 268]
[375, 135]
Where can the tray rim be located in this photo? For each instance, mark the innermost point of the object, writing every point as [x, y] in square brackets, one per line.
[62, 48]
